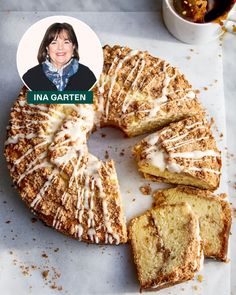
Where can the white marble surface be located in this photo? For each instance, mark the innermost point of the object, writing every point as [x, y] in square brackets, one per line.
[229, 57]
[80, 5]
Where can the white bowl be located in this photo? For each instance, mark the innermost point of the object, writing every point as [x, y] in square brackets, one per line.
[186, 31]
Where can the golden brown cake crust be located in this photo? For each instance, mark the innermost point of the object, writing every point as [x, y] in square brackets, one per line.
[225, 215]
[187, 147]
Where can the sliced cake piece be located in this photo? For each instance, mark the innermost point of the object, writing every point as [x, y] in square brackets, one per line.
[213, 212]
[166, 245]
[184, 152]
[138, 92]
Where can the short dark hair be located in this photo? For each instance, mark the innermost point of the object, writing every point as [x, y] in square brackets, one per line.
[52, 32]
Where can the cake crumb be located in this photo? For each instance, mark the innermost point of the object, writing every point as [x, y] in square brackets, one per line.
[145, 189]
[133, 200]
[205, 88]
[56, 250]
[200, 278]
[44, 255]
[8, 221]
[106, 155]
[53, 286]
[45, 274]
[103, 135]
[195, 288]
[234, 212]
[33, 219]
[122, 153]
[188, 57]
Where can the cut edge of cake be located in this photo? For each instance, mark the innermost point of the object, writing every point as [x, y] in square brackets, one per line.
[220, 215]
[151, 234]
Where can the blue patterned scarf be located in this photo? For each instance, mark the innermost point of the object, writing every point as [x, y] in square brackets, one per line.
[60, 77]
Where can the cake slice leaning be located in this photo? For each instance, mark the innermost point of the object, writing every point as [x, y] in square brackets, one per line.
[213, 212]
[184, 152]
[166, 246]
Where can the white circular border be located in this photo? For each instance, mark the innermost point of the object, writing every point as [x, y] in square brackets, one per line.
[90, 48]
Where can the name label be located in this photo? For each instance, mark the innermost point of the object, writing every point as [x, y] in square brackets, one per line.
[60, 97]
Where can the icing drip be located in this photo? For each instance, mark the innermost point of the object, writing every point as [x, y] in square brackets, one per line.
[114, 77]
[163, 160]
[43, 189]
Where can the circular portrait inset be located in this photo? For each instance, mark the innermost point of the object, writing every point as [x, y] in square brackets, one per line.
[59, 53]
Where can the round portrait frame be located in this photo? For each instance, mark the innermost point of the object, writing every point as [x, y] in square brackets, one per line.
[90, 48]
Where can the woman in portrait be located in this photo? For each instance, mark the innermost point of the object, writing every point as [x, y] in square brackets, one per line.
[59, 67]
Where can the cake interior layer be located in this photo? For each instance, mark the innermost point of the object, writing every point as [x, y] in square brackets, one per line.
[214, 217]
[156, 174]
[161, 240]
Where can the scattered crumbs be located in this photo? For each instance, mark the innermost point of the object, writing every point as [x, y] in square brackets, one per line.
[122, 153]
[145, 189]
[33, 266]
[128, 191]
[44, 255]
[53, 286]
[33, 219]
[195, 288]
[24, 270]
[106, 155]
[191, 49]
[182, 289]
[45, 274]
[200, 278]
[56, 250]
[133, 200]
[212, 121]
[103, 135]
[234, 28]
[219, 55]
[221, 135]
[205, 88]
[224, 29]
[4, 202]
[197, 91]
[10, 252]
[188, 57]
[184, 12]
[8, 221]
[34, 239]
[215, 80]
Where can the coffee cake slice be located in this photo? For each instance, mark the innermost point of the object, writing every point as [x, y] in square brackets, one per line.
[138, 92]
[214, 215]
[166, 245]
[184, 152]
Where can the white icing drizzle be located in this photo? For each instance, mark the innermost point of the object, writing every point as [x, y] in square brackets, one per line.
[114, 77]
[127, 102]
[163, 99]
[178, 145]
[195, 154]
[164, 161]
[43, 189]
